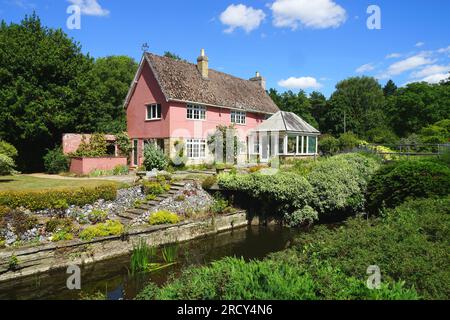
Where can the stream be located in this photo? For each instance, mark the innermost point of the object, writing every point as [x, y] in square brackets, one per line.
[113, 279]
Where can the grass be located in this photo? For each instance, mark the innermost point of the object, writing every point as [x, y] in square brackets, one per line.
[25, 182]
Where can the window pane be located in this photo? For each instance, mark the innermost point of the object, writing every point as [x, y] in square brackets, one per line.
[281, 145]
[292, 142]
[149, 112]
[311, 144]
[159, 111]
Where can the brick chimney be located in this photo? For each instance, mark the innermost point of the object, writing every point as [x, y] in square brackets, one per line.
[259, 80]
[202, 64]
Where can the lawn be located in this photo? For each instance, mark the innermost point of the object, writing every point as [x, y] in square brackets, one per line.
[25, 182]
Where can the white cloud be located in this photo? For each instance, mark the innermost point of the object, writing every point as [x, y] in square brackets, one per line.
[24, 4]
[90, 7]
[444, 50]
[300, 83]
[420, 44]
[393, 55]
[365, 68]
[407, 64]
[241, 16]
[435, 78]
[430, 71]
[317, 14]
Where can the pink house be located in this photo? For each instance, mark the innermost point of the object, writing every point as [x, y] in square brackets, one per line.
[174, 103]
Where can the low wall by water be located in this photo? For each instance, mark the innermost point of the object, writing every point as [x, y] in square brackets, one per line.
[45, 258]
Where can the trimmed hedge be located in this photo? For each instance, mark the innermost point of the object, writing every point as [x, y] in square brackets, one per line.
[396, 182]
[53, 199]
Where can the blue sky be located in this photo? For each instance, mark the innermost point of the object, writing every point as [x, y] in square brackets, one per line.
[294, 44]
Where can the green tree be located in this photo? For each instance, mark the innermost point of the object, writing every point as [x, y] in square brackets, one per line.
[173, 56]
[318, 108]
[359, 103]
[417, 105]
[113, 76]
[389, 89]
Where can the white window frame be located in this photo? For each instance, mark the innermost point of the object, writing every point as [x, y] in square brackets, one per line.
[154, 114]
[238, 117]
[195, 148]
[195, 112]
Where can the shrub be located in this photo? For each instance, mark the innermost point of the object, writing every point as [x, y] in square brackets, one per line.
[255, 168]
[19, 220]
[163, 217]
[62, 235]
[96, 216]
[55, 161]
[396, 182]
[409, 244]
[8, 149]
[7, 165]
[306, 215]
[286, 191]
[52, 199]
[108, 228]
[150, 197]
[57, 224]
[328, 144]
[382, 135]
[120, 170]
[124, 144]
[339, 183]
[208, 182]
[348, 141]
[155, 187]
[233, 278]
[96, 147]
[154, 158]
[220, 204]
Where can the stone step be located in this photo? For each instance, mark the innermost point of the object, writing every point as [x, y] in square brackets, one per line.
[125, 216]
[136, 211]
[147, 206]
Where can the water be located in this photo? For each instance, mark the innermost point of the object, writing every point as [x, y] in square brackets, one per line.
[112, 277]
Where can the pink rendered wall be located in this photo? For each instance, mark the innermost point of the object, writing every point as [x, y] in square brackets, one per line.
[181, 127]
[83, 166]
[147, 91]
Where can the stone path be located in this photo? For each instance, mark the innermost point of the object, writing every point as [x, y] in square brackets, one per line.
[129, 215]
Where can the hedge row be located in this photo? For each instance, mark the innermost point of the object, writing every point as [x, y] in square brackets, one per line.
[333, 186]
[394, 183]
[58, 198]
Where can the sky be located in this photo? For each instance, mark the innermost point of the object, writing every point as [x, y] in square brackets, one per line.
[294, 44]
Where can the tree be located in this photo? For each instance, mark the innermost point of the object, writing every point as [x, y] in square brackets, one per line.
[389, 89]
[318, 108]
[296, 103]
[357, 104]
[49, 87]
[417, 105]
[113, 76]
[173, 56]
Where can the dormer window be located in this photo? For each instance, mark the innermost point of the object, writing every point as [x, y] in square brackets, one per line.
[153, 112]
[196, 112]
[238, 117]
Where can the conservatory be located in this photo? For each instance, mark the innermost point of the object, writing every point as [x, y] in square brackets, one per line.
[284, 134]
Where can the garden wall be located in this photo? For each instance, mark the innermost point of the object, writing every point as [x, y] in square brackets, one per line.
[45, 258]
[84, 166]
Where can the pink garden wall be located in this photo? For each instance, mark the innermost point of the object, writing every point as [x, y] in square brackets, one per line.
[84, 166]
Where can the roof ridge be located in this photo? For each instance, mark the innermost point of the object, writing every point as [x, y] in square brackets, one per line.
[193, 64]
